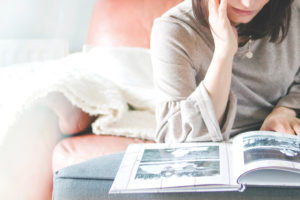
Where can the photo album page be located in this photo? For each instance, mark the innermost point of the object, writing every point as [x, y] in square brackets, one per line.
[274, 154]
[174, 167]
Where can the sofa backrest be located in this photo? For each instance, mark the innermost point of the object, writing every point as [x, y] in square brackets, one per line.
[125, 22]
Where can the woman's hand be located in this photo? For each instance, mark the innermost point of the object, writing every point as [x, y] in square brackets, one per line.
[224, 34]
[283, 120]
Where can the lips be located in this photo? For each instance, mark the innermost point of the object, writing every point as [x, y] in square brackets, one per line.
[243, 12]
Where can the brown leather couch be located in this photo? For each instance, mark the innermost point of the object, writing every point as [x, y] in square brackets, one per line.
[113, 23]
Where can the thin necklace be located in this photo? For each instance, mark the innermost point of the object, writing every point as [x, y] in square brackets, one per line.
[249, 53]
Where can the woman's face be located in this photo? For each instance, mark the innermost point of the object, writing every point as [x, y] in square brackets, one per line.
[243, 11]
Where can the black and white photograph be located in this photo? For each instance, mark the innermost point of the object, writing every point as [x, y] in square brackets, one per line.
[178, 169]
[270, 147]
[182, 153]
[179, 162]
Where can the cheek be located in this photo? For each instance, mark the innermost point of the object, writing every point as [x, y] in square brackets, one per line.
[233, 2]
[263, 3]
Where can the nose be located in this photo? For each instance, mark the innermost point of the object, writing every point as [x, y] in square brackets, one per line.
[248, 3]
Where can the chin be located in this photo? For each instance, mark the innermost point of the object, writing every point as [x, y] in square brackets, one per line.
[241, 21]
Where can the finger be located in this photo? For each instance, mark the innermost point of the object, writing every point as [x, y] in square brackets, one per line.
[281, 128]
[288, 130]
[296, 128]
[266, 128]
[213, 7]
[223, 8]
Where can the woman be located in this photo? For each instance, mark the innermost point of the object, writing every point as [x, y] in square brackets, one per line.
[195, 68]
[222, 67]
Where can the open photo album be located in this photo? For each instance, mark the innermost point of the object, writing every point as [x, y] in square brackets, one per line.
[259, 158]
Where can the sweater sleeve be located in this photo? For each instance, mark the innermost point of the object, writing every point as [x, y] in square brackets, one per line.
[292, 99]
[184, 110]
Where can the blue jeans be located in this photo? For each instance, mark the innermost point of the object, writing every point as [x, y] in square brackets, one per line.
[92, 179]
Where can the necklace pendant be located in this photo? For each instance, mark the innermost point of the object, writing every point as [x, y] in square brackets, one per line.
[249, 54]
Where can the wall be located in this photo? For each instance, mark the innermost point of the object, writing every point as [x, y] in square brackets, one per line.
[46, 19]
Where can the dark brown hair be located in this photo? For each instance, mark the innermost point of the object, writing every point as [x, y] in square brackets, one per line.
[272, 21]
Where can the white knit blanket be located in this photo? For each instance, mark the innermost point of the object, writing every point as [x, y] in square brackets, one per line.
[101, 82]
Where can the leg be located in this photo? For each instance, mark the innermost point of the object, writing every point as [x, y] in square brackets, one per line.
[71, 119]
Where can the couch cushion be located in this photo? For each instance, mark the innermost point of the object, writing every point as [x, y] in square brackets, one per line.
[77, 149]
[91, 180]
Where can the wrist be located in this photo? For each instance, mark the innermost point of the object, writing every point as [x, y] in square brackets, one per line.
[224, 54]
[285, 110]
[223, 57]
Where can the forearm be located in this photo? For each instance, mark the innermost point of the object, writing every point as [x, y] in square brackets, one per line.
[217, 82]
[218, 77]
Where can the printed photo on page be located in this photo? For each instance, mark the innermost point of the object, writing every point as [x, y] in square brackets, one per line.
[178, 166]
